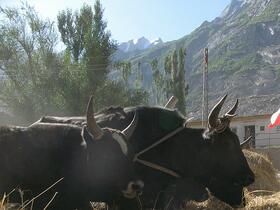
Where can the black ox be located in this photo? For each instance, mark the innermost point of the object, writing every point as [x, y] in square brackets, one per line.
[95, 164]
[199, 158]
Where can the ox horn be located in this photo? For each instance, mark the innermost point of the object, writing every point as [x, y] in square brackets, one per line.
[246, 143]
[128, 131]
[231, 112]
[214, 114]
[92, 126]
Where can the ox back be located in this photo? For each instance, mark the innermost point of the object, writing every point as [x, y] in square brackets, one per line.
[34, 158]
[204, 159]
[92, 164]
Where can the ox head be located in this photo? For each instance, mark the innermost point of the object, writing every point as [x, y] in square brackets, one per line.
[230, 171]
[109, 155]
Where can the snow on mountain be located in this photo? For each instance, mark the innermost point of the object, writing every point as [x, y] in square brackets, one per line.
[139, 44]
[156, 41]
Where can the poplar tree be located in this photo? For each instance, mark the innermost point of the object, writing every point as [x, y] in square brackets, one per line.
[98, 48]
[73, 27]
[175, 83]
[89, 42]
[139, 77]
[181, 83]
[167, 87]
[157, 82]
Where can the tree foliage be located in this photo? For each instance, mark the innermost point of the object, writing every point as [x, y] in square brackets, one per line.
[87, 61]
[158, 81]
[175, 84]
[125, 69]
[73, 28]
[29, 61]
[39, 80]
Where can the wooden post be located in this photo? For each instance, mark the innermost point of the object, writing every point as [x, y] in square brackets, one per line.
[205, 90]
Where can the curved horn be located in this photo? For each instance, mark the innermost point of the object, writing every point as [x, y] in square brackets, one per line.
[246, 143]
[231, 112]
[92, 126]
[214, 114]
[128, 131]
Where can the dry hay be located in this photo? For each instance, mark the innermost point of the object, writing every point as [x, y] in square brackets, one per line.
[98, 206]
[266, 178]
[268, 202]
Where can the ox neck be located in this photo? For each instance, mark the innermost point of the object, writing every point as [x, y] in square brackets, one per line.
[205, 159]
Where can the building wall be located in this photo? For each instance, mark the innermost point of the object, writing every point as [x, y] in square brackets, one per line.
[264, 136]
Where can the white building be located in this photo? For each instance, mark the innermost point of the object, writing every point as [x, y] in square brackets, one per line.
[255, 126]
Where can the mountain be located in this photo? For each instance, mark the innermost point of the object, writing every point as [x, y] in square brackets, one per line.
[244, 57]
[139, 44]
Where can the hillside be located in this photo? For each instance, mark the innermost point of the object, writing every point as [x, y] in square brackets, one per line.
[244, 57]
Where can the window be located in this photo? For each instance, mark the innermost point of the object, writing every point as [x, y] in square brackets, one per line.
[261, 128]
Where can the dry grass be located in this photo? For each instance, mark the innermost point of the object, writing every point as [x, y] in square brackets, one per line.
[268, 202]
[264, 194]
[265, 174]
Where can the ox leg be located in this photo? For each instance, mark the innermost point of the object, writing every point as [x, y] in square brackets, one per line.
[180, 191]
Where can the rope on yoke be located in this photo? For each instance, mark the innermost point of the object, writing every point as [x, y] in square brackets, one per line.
[158, 167]
[153, 165]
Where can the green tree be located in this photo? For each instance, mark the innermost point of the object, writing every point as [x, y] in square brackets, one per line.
[87, 62]
[98, 49]
[89, 42]
[114, 93]
[139, 78]
[29, 61]
[73, 27]
[168, 90]
[174, 67]
[125, 69]
[157, 82]
[181, 87]
[39, 81]
[175, 83]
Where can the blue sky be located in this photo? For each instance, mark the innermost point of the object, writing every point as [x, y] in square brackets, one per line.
[129, 19]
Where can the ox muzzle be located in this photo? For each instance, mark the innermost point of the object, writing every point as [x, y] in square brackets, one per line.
[134, 189]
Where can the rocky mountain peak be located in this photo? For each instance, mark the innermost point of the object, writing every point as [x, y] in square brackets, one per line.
[252, 8]
[141, 43]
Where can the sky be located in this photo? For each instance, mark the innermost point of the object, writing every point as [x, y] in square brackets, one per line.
[131, 19]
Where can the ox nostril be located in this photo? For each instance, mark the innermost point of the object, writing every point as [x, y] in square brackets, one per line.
[137, 186]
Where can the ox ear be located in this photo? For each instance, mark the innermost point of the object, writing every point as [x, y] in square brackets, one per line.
[92, 126]
[247, 143]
